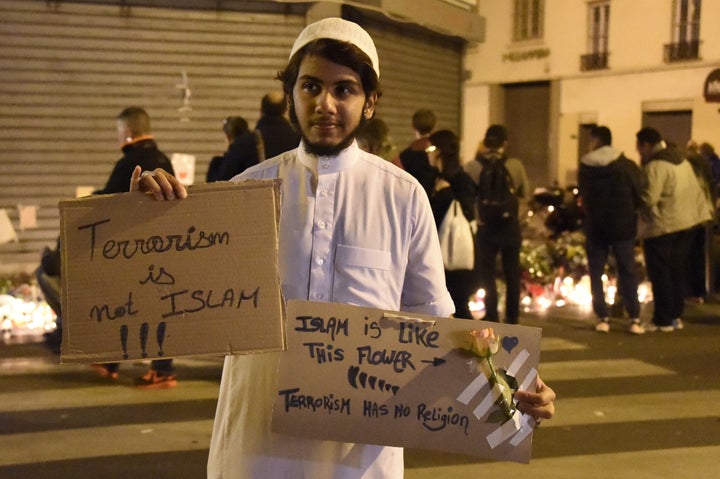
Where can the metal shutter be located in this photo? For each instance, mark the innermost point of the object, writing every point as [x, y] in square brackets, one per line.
[68, 69]
[418, 69]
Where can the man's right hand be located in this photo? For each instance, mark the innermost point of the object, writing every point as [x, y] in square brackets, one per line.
[159, 182]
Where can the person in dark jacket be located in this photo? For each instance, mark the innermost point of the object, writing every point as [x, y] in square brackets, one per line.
[453, 183]
[225, 166]
[414, 159]
[276, 132]
[610, 188]
[139, 149]
[242, 152]
[501, 238]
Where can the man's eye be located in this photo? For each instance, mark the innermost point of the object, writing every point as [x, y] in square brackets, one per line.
[344, 91]
[310, 87]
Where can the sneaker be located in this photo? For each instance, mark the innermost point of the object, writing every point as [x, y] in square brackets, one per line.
[152, 380]
[636, 328]
[602, 326]
[652, 328]
[103, 371]
[678, 324]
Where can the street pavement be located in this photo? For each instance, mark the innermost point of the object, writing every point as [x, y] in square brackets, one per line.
[628, 407]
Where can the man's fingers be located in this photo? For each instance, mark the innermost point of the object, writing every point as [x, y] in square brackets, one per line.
[161, 184]
[135, 179]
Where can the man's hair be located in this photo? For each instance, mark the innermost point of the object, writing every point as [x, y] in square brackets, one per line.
[648, 135]
[448, 144]
[234, 126]
[423, 121]
[707, 149]
[374, 133]
[342, 53]
[495, 137]
[137, 120]
[602, 134]
[273, 104]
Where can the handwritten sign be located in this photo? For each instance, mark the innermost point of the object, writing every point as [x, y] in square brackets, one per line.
[143, 278]
[370, 376]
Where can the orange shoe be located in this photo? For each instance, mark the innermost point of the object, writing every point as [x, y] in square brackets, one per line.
[151, 380]
[103, 371]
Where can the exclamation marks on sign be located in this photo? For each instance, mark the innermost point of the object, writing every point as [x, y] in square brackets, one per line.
[123, 339]
[144, 331]
[161, 337]
[144, 328]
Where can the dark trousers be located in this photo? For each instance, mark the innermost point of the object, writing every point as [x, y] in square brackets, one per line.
[697, 265]
[665, 259]
[164, 367]
[506, 242]
[461, 284]
[624, 252]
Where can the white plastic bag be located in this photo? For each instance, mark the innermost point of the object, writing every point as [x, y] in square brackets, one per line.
[457, 240]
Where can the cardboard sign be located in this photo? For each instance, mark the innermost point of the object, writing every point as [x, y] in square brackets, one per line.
[370, 376]
[143, 278]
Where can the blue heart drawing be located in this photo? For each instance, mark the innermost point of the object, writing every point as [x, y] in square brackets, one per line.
[509, 343]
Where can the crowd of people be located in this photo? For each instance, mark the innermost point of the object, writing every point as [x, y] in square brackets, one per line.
[325, 115]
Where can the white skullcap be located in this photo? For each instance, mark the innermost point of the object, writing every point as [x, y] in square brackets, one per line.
[341, 30]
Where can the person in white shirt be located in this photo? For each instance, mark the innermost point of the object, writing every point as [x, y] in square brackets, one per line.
[354, 229]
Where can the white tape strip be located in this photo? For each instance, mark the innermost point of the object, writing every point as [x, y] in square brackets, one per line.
[501, 434]
[518, 362]
[528, 423]
[487, 402]
[529, 380]
[472, 389]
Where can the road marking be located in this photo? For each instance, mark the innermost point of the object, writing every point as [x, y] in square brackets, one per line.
[599, 369]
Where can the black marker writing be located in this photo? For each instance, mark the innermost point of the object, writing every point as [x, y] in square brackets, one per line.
[331, 326]
[435, 419]
[128, 248]
[182, 302]
[98, 313]
[327, 403]
[161, 277]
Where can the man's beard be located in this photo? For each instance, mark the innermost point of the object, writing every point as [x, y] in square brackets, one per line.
[325, 150]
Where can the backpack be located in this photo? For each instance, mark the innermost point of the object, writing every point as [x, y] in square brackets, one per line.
[497, 202]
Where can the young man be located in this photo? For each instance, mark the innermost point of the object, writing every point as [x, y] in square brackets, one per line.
[674, 203]
[277, 134]
[610, 186]
[354, 229]
[139, 150]
[414, 159]
[499, 236]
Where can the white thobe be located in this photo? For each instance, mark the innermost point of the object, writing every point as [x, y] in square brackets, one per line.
[354, 229]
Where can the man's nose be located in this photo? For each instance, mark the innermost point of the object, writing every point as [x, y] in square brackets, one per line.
[325, 102]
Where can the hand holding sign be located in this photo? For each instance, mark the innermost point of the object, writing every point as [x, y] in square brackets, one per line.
[159, 182]
[370, 376]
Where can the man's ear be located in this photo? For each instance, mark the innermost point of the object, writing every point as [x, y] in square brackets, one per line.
[370, 102]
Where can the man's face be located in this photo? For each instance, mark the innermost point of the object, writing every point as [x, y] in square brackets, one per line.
[329, 103]
[123, 132]
[644, 150]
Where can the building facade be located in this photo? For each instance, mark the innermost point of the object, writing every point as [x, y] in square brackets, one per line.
[550, 69]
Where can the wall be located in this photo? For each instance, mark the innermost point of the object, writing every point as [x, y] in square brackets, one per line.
[69, 69]
[638, 77]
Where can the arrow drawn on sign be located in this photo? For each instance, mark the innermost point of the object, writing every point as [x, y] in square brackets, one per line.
[434, 361]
